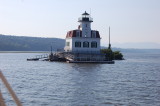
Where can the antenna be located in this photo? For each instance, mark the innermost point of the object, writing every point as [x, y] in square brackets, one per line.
[109, 34]
[51, 48]
[109, 46]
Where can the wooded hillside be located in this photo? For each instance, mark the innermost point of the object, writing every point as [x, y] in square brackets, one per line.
[22, 43]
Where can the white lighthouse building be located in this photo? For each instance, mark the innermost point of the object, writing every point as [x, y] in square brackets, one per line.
[83, 39]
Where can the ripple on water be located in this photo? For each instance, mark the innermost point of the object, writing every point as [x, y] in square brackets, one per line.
[134, 81]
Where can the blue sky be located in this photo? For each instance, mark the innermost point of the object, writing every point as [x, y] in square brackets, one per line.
[130, 20]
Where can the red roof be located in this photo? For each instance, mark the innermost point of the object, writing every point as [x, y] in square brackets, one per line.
[72, 33]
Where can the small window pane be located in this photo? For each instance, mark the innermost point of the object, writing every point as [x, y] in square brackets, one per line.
[93, 44]
[86, 44]
[94, 34]
[67, 43]
[77, 44]
[78, 34]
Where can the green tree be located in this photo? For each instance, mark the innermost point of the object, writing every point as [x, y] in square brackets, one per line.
[118, 55]
[108, 53]
[112, 55]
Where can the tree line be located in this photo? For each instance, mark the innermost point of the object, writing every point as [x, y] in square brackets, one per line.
[22, 43]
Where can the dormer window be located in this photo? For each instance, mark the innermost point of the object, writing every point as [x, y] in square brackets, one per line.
[77, 33]
[94, 34]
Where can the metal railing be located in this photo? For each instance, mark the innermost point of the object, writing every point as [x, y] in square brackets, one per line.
[85, 19]
[15, 98]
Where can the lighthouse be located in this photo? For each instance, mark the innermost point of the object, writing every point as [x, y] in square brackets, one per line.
[82, 45]
[85, 24]
[83, 39]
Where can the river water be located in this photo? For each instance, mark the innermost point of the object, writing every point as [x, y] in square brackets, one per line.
[131, 82]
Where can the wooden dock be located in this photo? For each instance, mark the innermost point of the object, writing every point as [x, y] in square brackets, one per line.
[38, 57]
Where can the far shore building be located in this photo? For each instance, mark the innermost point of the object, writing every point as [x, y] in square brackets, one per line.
[83, 39]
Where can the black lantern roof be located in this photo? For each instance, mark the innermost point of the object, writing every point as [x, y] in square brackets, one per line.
[85, 13]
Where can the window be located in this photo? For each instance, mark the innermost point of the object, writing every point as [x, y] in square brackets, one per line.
[94, 34]
[94, 44]
[67, 43]
[77, 33]
[86, 44]
[77, 44]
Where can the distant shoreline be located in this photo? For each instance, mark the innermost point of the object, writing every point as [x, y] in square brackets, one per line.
[131, 50]
[24, 51]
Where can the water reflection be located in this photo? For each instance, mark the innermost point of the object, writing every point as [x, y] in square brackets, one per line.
[84, 83]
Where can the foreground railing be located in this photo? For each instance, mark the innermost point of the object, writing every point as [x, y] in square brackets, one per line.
[15, 98]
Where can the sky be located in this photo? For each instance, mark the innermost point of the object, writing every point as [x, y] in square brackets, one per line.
[131, 21]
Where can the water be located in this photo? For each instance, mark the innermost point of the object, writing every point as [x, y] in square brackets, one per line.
[132, 82]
